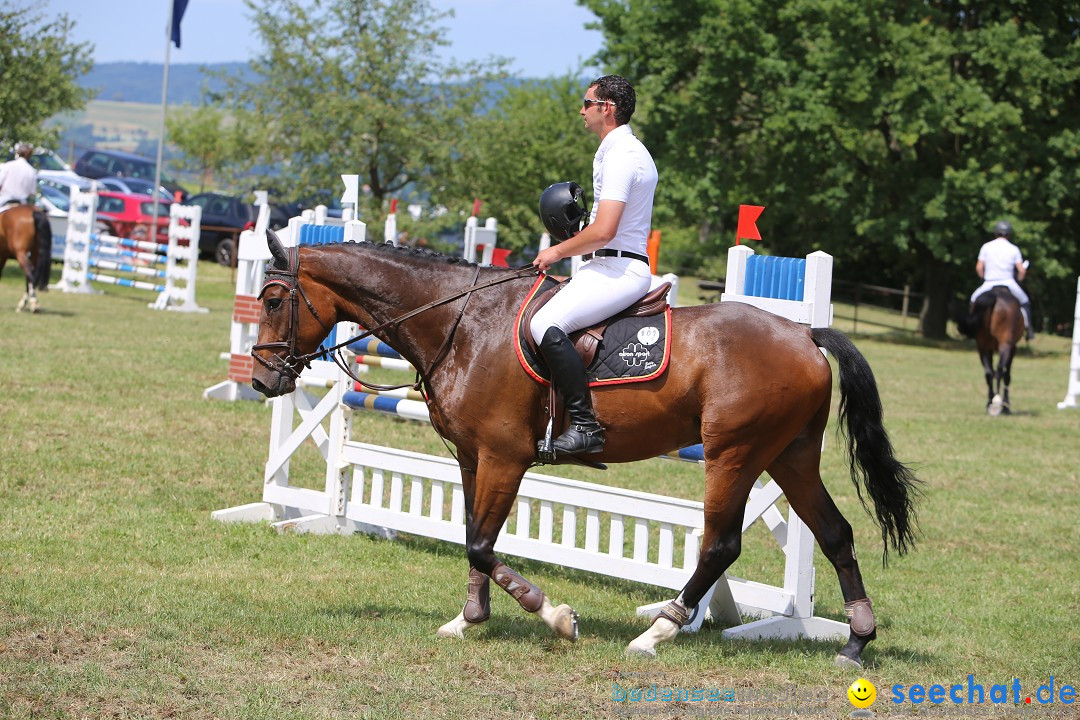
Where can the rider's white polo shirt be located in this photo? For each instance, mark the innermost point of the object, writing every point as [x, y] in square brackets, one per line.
[999, 258]
[623, 170]
[18, 181]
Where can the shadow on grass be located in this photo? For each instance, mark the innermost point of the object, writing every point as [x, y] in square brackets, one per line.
[515, 625]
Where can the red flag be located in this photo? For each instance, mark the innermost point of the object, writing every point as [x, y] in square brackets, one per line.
[748, 215]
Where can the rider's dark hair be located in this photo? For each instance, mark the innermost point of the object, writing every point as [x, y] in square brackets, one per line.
[616, 89]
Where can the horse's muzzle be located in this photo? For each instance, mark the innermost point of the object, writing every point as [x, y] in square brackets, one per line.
[283, 386]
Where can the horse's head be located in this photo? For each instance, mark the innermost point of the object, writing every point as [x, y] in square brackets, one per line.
[294, 321]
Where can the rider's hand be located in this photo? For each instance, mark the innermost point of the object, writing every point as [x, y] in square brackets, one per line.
[547, 258]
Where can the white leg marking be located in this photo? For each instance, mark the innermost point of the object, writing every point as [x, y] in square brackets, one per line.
[661, 631]
[456, 628]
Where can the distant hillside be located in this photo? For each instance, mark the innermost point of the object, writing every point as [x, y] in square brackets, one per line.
[141, 82]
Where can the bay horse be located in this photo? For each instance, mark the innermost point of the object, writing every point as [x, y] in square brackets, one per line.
[997, 325]
[18, 240]
[752, 387]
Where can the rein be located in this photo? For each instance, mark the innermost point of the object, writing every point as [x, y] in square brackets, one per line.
[290, 280]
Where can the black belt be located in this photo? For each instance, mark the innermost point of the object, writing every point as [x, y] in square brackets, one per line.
[604, 252]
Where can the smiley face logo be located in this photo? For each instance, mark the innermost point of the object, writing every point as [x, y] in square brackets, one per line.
[862, 693]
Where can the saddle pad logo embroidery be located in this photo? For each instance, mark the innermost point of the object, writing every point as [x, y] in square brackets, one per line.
[634, 354]
[648, 335]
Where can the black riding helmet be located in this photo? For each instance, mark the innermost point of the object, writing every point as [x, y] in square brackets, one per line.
[562, 210]
[1003, 229]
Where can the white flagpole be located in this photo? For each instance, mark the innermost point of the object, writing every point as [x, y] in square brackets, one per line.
[161, 127]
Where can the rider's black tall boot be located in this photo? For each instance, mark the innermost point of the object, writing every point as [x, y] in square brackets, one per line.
[568, 373]
[1026, 309]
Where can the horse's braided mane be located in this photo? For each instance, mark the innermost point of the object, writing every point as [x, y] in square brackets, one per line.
[427, 255]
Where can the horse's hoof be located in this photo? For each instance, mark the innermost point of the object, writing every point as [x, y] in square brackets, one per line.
[450, 630]
[565, 623]
[455, 628]
[996, 406]
[843, 661]
[641, 651]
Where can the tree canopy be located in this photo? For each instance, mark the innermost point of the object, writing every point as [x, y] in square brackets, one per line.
[357, 86]
[890, 134]
[39, 66]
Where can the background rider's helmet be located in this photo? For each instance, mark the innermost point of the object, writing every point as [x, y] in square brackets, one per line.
[562, 208]
[24, 150]
[1003, 229]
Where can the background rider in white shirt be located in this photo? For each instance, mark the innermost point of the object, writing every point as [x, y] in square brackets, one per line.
[1000, 263]
[18, 178]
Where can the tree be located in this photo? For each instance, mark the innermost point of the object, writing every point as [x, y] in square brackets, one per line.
[356, 86]
[212, 142]
[39, 65]
[530, 137]
[890, 134]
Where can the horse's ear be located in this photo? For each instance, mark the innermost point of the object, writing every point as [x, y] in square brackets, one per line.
[281, 258]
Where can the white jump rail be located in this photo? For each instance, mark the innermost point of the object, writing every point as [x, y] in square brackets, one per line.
[609, 531]
[87, 254]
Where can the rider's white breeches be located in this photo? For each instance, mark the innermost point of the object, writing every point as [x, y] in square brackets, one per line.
[599, 289]
[1016, 290]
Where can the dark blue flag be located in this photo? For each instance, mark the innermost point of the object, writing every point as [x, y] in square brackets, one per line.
[178, 8]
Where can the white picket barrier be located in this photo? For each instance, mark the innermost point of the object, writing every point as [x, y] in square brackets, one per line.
[88, 254]
[1073, 391]
[651, 538]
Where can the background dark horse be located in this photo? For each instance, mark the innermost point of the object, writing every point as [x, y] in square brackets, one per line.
[997, 325]
[753, 387]
[26, 237]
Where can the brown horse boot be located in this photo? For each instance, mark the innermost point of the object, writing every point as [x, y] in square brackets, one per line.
[568, 374]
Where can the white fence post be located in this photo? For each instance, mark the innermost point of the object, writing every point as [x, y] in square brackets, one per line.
[1073, 390]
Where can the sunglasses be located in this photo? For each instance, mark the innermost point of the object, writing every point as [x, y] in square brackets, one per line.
[589, 103]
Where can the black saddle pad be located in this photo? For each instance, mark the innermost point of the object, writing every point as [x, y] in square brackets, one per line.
[634, 349]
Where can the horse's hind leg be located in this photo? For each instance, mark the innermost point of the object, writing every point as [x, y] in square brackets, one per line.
[1005, 358]
[727, 485]
[488, 499]
[797, 472]
[987, 360]
[29, 297]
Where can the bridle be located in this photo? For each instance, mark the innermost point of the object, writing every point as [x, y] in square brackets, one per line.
[292, 364]
[289, 279]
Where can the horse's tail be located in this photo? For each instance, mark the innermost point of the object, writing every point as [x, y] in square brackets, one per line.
[969, 322]
[891, 485]
[43, 264]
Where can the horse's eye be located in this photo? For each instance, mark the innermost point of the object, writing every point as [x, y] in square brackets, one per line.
[273, 303]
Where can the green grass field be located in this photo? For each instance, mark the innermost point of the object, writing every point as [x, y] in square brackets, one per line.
[121, 598]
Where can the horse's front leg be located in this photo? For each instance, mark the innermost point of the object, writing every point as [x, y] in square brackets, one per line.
[477, 597]
[496, 486]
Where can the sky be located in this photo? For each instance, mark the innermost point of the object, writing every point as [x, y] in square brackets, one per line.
[542, 37]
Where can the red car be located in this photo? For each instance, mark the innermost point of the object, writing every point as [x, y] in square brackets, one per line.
[130, 216]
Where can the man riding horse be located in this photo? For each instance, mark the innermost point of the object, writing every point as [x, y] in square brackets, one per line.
[18, 186]
[1000, 263]
[624, 181]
